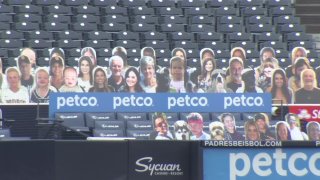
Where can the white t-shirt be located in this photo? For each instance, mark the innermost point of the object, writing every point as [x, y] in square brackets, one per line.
[297, 135]
[84, 84]
[204, 136]
[21, 96]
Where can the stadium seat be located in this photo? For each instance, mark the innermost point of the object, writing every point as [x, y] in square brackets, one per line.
[194, 63]
[297, 36]
[163, 53]
[85, 18]
[176, 36]
[267, 36]
[104, 52]
[45, 2]
[40, 34]
[6, 18]
[113, 10]
[72, 61]
[153, 35]
[169, 11]
[103, 3]
[67, 43]
[55, 26]
[103, 61]
[57, 9]
[134, 61]
[73, 120]
[280, 11]
[139, 134]
[220, 3]
[11, 43]
[73, 52]
[142, 27]
[29, 9]
[86, 10]
[6, 9]
[115, 18]
[74, 3]
[38, 43]
[173, 20]
[244, 44]
[198, 11]
[97, 35]
[96, 44]
[196, 28]
[62, 18]
[276, 45]
[161, 3]
[71, 35]
[157, 44]
[131, 3]
[254, 11]
[110, 124]
[27, 18]
[229, 28]
[229, 20]
[216, 45]
[185, 45]
[172, 27]
[145, 19]
[249, 3]
[287, 28]
[209, 36]
[113, 27]
[258, 19]
[239, 36]
[43, 61]
[260, 28]
[25, 26]
[134, 52]
[277, 3]
[305, 44]
[140, 125]
[131, 116]
[127, 35]
[286, 19]
[227, 11]
[202, 20]
[108, 133]
[128, 44]
[192, 53]
[11, 35]
[141, 10]
[84, 26]
[190, 4]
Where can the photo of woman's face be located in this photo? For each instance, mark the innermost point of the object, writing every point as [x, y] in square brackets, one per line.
[100, 77]
[282, 132]
[278, 79]
[209, 66]
[131, 79]
[85, 67]
[252, 133]
[180, 54]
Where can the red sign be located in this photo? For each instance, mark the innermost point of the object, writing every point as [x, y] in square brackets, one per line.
[307, 112]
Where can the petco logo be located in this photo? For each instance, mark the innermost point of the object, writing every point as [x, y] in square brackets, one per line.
[76, 101]
[132, 101]
[187, 101]
[146, 164]
[243, 101]
[278, 164]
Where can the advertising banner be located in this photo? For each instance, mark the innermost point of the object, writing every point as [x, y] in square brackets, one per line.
[261, 163]
[306, 112]
[159, 102]
[158, 160]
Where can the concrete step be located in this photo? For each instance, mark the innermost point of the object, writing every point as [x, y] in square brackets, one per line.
[309, 19]
[307, 2]
[312, 29]
[308, 10]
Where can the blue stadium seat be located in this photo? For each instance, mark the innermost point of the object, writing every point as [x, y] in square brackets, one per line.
[130, 3]
[239, 36]
[202, 20]
[286, 19]
[229, 28]
[134, 52]
[267, 36]
[108, 133]
[96, 44]
[45, 2]
[113, 10]
[71, 119]
[277, 3]
[176, 36]
[62, 18]
[139, 134]
[74, 3]
[276, 45]
[67, 43]
[68, 35]
[209, 36]
[196, 28]
[280, 11]
[11, 35]
[86, 18]
[142, 27]
[113, 27]
[127, 35]
[153, 35]
[161, 3]
[173, 20]
[260, 28]
[97, 35]
[128, 44]
[6, 18]
[86, 10]
[254, 11]
[26, 26]
[29, 9]
[258, 19]
[141, 10]
[185, 45]
[103, 3]
[10, 43]
[6, 9]
[163, 53]
[305, 44]
[131, 116]
[110, 124]
[38, 43]
[190, 4]
[57, 9]
[220, 3]
[216, 45]
[297, 36]
[156, 44]
[140, 125]
[115, 18]
[249, 3]
[55, 26]
[198, 11]
[287, 28]
[229, 20]
[244, 44]
[104, 52]
[27, 18]
[84, 26]
[169, 11]
[145, 19]
[227, 11]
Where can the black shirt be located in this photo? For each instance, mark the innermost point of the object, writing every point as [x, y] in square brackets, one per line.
[307, 97]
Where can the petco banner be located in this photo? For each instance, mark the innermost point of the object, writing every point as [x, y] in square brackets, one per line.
[255, 163]
[159, 102]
